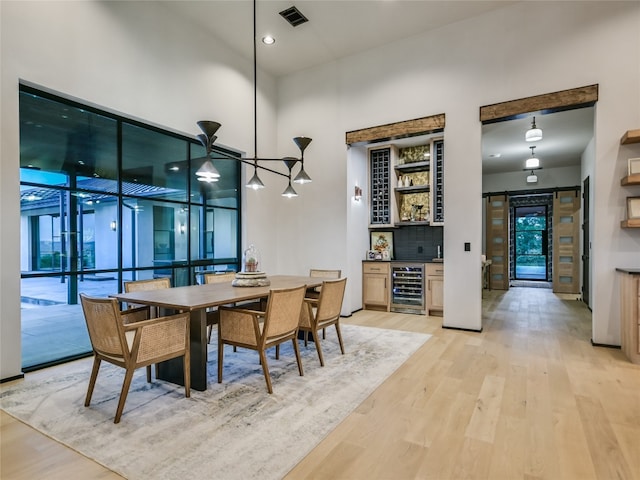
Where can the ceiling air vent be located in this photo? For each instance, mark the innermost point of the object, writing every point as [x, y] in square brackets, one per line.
[293, 16]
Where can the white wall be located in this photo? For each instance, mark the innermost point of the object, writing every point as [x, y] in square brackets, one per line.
[587, 170]
[547, 178]
[136, 58]
[456, 70]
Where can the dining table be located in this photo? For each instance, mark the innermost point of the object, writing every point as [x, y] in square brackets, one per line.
[197, 299]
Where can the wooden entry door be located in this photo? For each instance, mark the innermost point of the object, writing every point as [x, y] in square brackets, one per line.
[566, 242]
[498, 241]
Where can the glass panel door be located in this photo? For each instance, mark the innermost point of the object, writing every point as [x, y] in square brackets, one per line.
[531, 243]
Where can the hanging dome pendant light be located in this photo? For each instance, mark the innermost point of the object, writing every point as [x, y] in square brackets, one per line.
[534, 133]
[533, 162]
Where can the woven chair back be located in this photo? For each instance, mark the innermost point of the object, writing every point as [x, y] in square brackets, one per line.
[106, 331]
[330, 301]
[317, 273]
[145, 285]
[219, 277]
[283, 311]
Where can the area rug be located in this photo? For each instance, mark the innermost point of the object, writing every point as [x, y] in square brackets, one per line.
[234, 430]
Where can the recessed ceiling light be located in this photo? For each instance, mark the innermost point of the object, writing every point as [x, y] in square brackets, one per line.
[268, 40]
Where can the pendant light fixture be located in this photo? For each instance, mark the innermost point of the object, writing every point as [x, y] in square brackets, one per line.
[208, 173]
[533, 162]
[534, 133]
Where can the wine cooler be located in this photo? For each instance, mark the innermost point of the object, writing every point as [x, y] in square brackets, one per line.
[407, 281]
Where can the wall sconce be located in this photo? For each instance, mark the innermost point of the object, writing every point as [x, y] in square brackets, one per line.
[182, 229]
[113, 225]
[357, 194]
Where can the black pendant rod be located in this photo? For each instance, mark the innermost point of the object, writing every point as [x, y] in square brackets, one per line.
[255, 90]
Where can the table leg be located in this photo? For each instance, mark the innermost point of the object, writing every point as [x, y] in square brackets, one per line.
[172, 370]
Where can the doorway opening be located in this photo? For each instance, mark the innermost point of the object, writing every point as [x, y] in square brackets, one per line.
[530, 242]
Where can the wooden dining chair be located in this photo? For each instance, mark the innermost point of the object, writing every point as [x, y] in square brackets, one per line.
[317, 314]
[134, 344]
[152, 311]
[315, 291]
[213, 314]
[258, 330]
[145, 285]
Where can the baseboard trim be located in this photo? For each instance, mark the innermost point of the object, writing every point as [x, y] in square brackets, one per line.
[604, 345]
[463, 329]
[11, 379]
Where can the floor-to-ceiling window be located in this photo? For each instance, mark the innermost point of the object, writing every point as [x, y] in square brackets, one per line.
[106, 199]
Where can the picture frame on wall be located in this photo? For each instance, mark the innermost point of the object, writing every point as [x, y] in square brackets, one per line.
[633, 208]
[381, 242]
[634, 166]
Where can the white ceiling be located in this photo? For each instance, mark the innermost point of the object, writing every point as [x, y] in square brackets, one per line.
[339, 28]
[565, 135]
[336, 28]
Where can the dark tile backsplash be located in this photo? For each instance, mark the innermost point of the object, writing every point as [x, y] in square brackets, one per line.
[417, 243]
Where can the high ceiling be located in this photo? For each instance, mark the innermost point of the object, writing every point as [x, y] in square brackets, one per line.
[339, 28]
[336, 28]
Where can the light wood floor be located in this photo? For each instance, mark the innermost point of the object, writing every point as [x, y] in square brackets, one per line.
[528, 398]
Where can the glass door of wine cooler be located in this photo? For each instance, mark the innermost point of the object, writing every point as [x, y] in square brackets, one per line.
[407, 295]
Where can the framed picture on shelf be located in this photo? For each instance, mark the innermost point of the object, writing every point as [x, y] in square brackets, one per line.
[633, 208]
[385, 255]
[371, 254]
[382, 241]
[634, 166]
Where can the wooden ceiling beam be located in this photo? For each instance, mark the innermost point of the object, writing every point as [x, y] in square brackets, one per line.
[573, 97]
[390, 131]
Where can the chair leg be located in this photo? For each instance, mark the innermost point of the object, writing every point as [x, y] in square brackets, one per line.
[187, 373]
[220, 355]
[92, 380]
[278, 352]
[316, 339]
[306, 337]
[148, 373]
[128, 376]
[265, 370]
[297, 350]
[209, 330]
[324, 333]
[339, 337]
